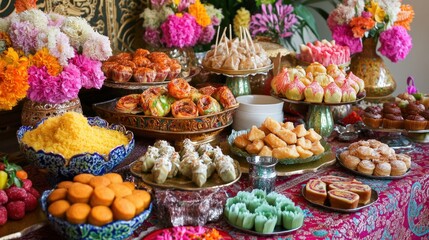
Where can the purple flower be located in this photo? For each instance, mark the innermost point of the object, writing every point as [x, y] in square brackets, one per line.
[157, 4]
[24, 36]
[207, 34]
[184, 4]
[277, 22]
[152, 36]
[180, 31]
[90, 71]
[215, 21]
[343, 35]
[395, 43]
[366, 14]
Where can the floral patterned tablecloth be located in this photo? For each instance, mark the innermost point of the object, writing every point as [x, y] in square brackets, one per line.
[401, 212]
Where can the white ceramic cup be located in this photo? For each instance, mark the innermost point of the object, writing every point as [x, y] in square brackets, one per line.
[254, 109]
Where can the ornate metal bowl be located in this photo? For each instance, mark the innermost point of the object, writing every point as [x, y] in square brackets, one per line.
[115, 230]
[93, 163]
[199, 129]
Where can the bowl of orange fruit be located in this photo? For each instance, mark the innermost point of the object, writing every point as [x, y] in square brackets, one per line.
[96, 207]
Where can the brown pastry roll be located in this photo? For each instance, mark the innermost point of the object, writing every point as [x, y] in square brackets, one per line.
[207, 105]
[350, 161]
[147, 95]
[179, 88]
[225, 97]
[129, 104]
[315, 191]
[184, 108]
[343, 199]
[329, 179]
[363, 190]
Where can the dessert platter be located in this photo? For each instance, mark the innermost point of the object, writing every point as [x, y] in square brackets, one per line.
[297, 149]
[263, 214]
[324, 52]
[191, 168]
[175, 112]
[374, 159]
[339, 194]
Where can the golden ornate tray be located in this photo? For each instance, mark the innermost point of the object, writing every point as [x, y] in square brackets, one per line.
[197, 129]
[239, 73]
[181, 182]
[142, 86]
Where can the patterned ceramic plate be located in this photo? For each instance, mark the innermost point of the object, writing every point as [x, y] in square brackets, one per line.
[339, 151]
[374, 198]
[181, 182]
[277, 230]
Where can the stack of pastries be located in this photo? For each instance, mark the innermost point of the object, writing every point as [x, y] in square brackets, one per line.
[317, 84]
[179, 99]
[372, 157]
[196, 163]
[339, 192]
[324, 52]
[141, 66]
[280, 140]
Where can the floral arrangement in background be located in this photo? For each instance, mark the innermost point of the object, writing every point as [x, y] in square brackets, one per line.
[49, 57]
[180, 23]
[276, 22]
[385, 21]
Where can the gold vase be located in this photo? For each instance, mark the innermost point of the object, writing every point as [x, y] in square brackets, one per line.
[33, 112]
[369, 66]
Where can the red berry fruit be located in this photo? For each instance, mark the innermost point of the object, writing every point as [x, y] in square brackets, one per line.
[3, 215]
[30, 203]
[16, 194]
[16, 210]
[3, 197]
[2, 166]
[34, 192]
[27, 184]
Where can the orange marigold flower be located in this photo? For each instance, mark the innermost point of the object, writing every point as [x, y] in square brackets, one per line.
[23, 5]
[405, 16]
[44, 58]
[13, 82]
[360, 25]
[200, 13]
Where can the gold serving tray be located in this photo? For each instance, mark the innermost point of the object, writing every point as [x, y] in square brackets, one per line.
[181, 182]
[198, 129]
[239, 73]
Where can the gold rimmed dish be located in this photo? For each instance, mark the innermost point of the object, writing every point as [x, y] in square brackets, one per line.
[239, 73]
[326, 205]
[181, 182]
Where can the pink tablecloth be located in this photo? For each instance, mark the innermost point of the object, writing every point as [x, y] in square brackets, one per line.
[401, 212]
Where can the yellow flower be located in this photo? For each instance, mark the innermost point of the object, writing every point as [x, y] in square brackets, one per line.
[377, 12]
[241, 19]
[179, 15]
[199, 12]
[44, 58]
[176, 2]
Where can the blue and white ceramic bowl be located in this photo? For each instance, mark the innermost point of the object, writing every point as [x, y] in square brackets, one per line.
[93, 163]
[115, 230]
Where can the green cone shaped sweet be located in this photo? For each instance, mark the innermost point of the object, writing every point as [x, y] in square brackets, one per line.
[255, 203]
[265, 222]
[248, 220]
[293, 219]
[235, 210]
[258, 193]
[272, 197]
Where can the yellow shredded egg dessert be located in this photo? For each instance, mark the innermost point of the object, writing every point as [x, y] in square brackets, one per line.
[70, 134]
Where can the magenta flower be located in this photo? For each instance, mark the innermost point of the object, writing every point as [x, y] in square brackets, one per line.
[42, 85]
[90, 71]
[152, 36]
[343, 35]
[180, 31]
[274, 22]
[395, 43]
[207, 34]
[70, 84]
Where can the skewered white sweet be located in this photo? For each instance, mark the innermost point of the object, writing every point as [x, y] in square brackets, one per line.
[149, 158]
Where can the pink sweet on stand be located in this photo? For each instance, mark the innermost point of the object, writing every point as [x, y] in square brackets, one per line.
[295, 90]
[333, 93]
[314, 93]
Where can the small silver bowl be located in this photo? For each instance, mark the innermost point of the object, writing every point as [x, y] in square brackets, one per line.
[348, 133]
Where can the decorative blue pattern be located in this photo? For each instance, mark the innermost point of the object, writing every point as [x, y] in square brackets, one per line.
[113, 230]
[95, 163]
[414, 211]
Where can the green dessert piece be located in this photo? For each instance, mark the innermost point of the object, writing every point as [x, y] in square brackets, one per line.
[258, 193]
[293, 219]
[265, 222]
[246, 220]
[255, 203]
[234, 211]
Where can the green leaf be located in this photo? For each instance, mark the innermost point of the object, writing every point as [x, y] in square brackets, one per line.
[305, 13]
[322, 12]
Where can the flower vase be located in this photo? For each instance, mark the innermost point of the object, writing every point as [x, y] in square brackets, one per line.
[369, 66]
[34, 112]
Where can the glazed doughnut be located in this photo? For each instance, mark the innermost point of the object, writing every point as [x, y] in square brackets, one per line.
[207, 105]
[225, 97]
[129, 104]
[179, 88]
[184, 108]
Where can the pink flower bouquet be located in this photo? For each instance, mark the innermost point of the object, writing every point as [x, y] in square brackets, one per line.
[386, 21]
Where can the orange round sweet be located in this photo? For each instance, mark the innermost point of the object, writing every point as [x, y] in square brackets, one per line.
[79, 193]
[99, 181]
[123, 209]
[114, 177]
[137, 201]
[100, 215]
[57, 194]
[143, 195]
[83, 178]
[78, 213]
[64, 184]
[120, 189]
[59, 208]
[129, 185]
[102, 196]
